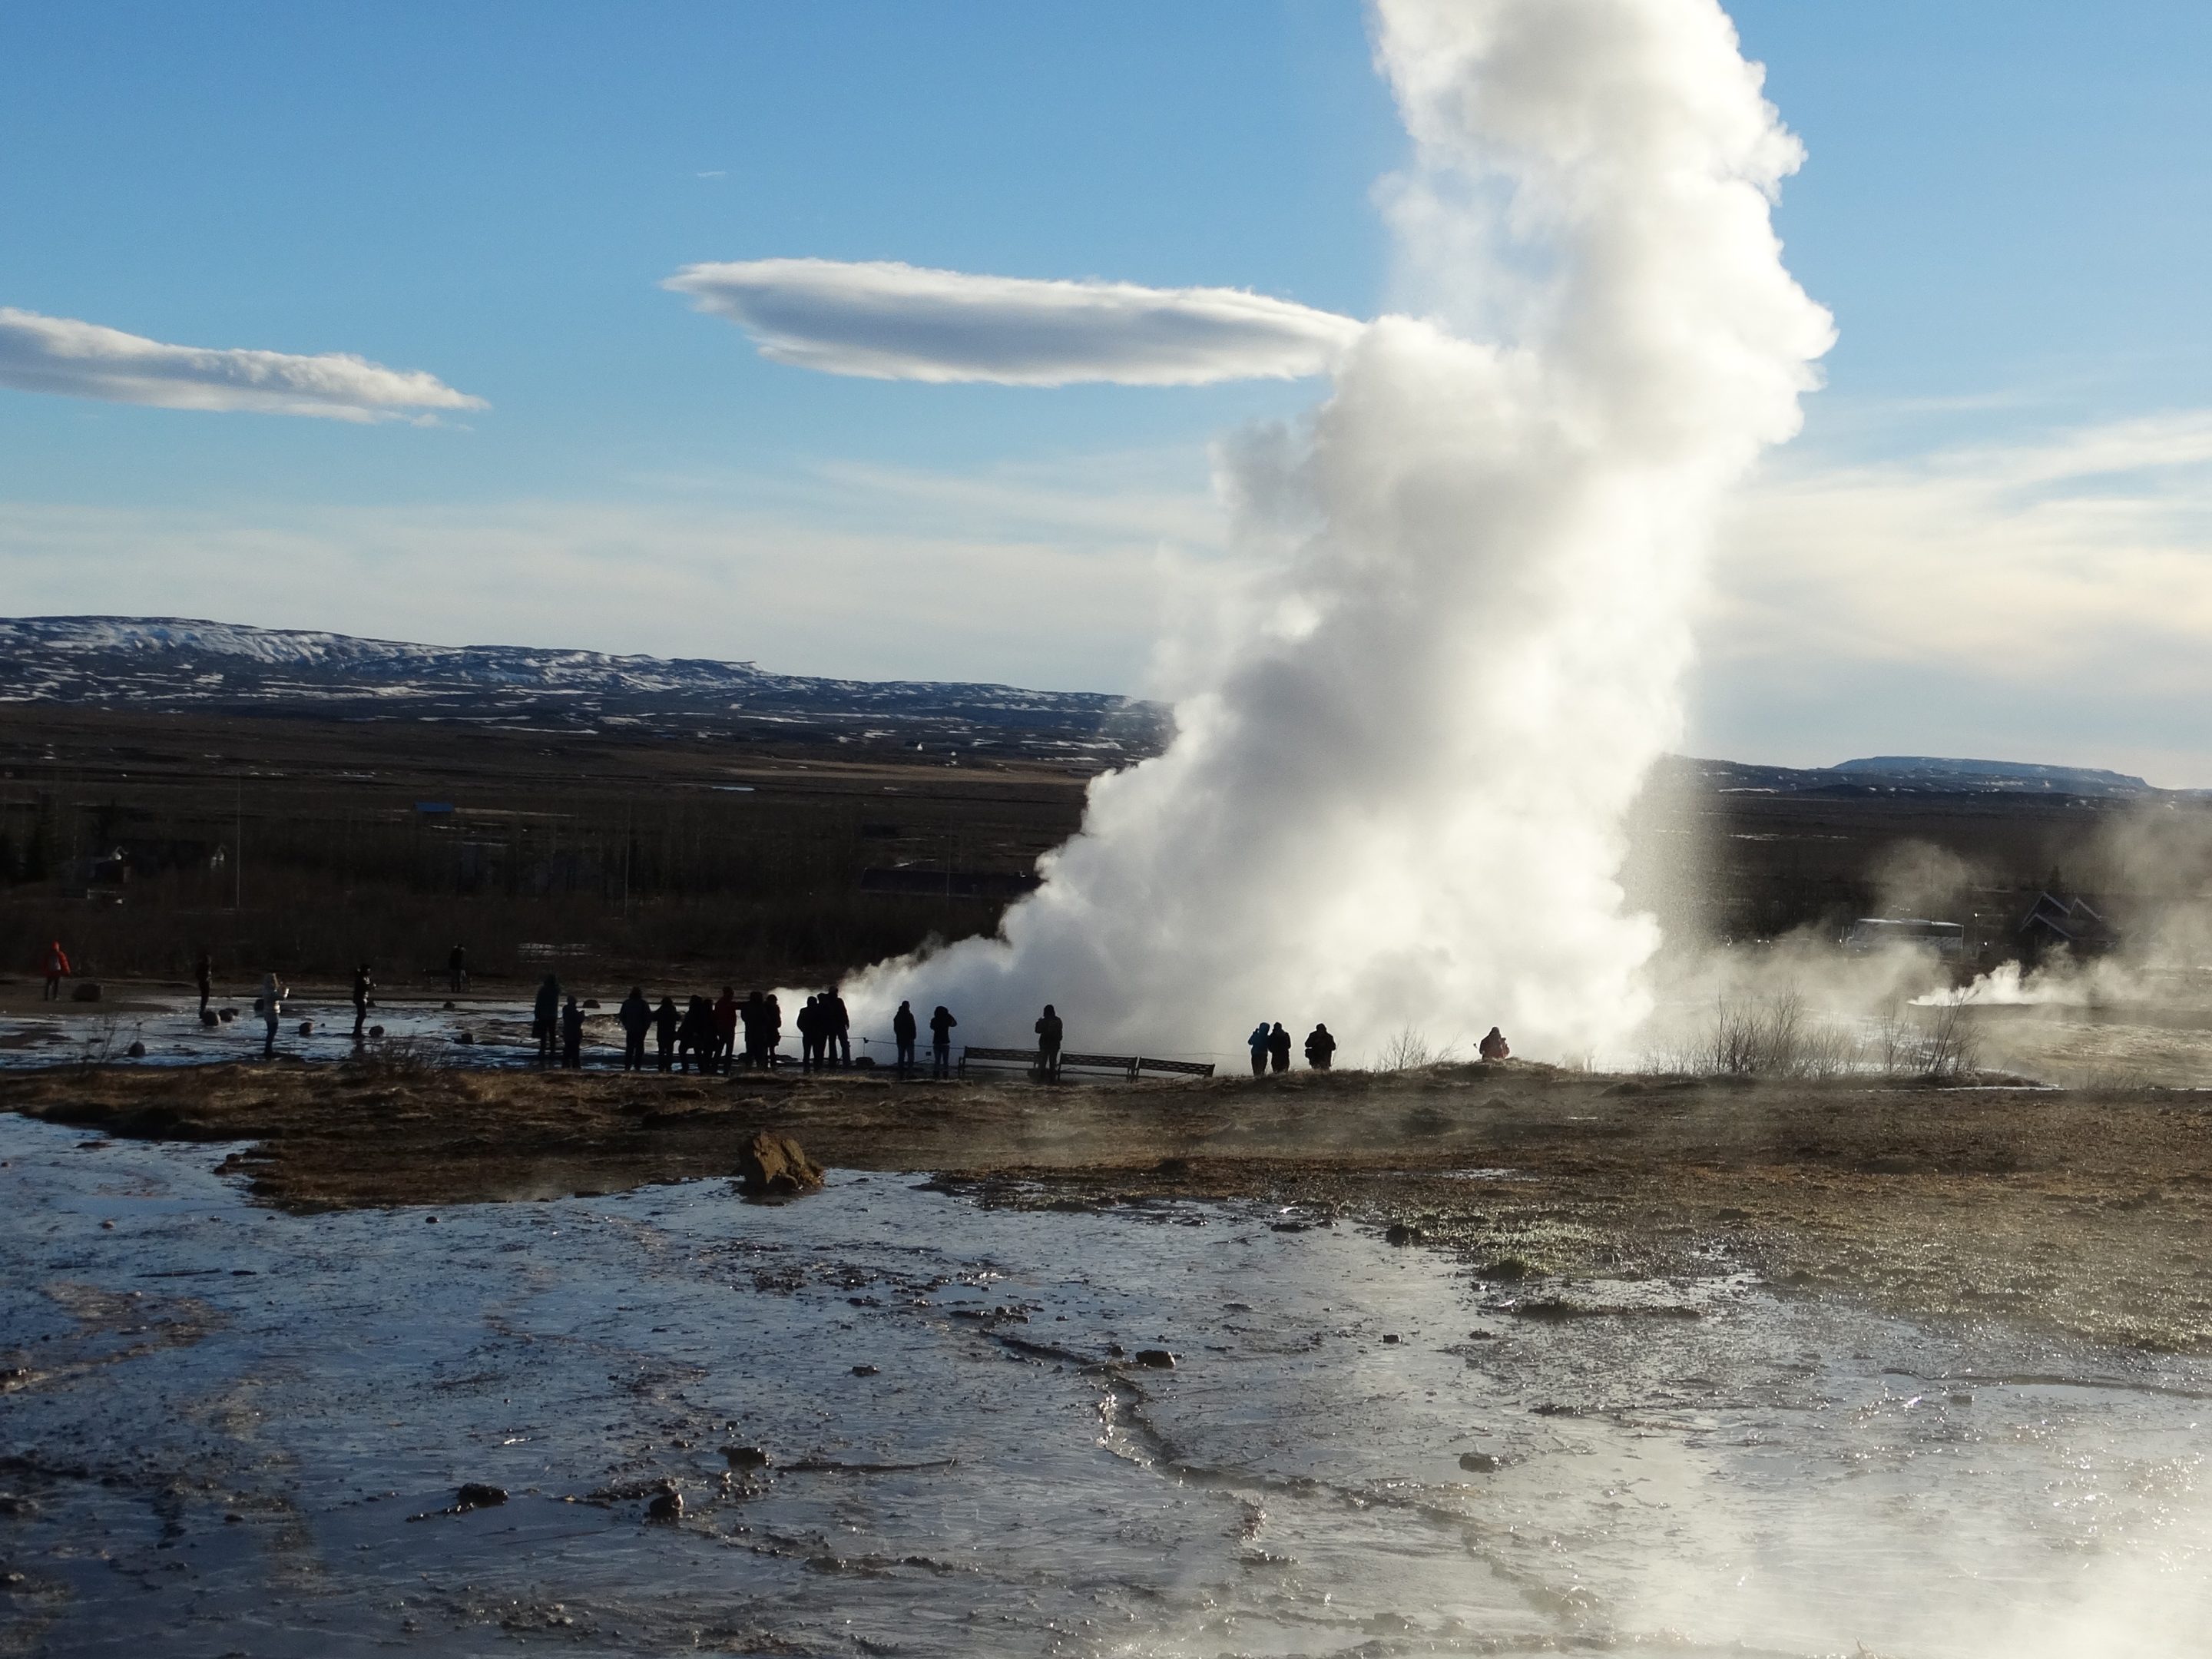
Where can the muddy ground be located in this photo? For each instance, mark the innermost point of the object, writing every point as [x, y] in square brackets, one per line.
[2081, 1212]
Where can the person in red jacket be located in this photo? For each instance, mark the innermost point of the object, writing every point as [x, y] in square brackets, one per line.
[55, 967]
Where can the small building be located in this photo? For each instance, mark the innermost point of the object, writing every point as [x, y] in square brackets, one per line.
[2061, 921]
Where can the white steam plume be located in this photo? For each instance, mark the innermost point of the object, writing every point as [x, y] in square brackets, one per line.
[1399, 802]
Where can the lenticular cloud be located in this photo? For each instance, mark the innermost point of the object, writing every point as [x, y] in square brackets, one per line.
[1398, 802]
[73, 359]
[896, 322]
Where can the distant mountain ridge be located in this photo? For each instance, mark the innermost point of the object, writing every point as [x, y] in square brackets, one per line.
[181, 664]
[2002, 775]
[1928, 775]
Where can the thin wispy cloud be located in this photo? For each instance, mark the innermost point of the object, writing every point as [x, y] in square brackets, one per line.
[955, 568]
[2049, 599]
[889, 321]
[71, 359]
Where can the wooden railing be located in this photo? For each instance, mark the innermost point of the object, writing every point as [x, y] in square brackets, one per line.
[1128, 1066]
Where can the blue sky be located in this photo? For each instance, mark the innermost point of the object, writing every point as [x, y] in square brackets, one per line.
[2006, 205]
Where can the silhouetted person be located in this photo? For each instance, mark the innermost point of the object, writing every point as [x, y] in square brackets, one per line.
[752, 1014]
[457, 970]
[1320, 1048]
[363, 984]
[940, 1042]
[772, 1025]
[1048, 1037]
[696, 1034]
[55, 966]
[636, 1016]
[836, 1029]
[902, 1030]
[571, 1037]
[546, 1018]
[1279, 1047]
[809, 1020]
[203, 976]
[273, 992]
[665, 1019]
[726, 1029]
[1258, 1044]
[1493, 1046]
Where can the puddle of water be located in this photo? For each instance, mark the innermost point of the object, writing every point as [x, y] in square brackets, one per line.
[1361, 1450]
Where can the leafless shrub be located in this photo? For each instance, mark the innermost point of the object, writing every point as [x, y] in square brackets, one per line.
[1735, 1049]
[1408, 1051]
[1776, 1037]
[403, 1057]
[102, 1044]
[1827, 1050]
[1943, 1045]
[1953, 1047]
[1896, 1045]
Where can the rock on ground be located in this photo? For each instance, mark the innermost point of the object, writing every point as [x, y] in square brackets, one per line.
[773, 1162]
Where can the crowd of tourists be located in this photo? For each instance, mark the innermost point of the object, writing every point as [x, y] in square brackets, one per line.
[704, 1036]
[719, 1036]
[1271, 1049]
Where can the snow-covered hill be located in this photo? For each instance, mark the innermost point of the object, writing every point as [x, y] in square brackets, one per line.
[180, 663]
[1924, 775]
[174, 663]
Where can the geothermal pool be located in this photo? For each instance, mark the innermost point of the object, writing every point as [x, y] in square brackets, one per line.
[227, 1431]
[168, 1024]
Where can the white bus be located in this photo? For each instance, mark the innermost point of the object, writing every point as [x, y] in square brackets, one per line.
[1947, 940]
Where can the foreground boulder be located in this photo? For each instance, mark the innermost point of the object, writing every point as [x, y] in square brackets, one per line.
[774, 1163]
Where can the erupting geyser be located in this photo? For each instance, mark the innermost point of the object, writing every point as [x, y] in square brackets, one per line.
[1399, 801]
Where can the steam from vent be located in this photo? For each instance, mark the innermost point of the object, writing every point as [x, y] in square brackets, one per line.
[1398, 800]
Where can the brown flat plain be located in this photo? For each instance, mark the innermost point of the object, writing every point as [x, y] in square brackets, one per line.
[751, 857]
[302, 846]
